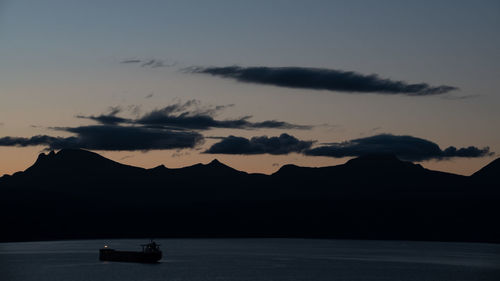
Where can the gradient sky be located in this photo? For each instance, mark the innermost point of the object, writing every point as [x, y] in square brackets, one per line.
[61, 59]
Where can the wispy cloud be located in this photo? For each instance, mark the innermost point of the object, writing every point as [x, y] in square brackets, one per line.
[192, 115]
[465, 97]
[127, 157]
[109, 118]
[131, 61]
[175, 126]
[322, 79]
[152, 63]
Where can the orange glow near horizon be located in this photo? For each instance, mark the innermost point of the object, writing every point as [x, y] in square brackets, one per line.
[16, 159]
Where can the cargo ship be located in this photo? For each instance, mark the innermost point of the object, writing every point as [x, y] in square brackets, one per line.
[150, 253]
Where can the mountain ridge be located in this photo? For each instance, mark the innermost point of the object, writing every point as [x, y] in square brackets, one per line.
[80, 194]
[384, 160]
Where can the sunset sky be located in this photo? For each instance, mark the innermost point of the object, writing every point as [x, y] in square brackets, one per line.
[255, 84]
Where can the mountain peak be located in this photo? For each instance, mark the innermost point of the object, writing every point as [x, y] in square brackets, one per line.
[218, 165]
[42, 156]
[384, 159]
[489, 172]
[215, 162]
[66, 159]
[382, 162]
[287, 168]
[68, 155]
[371, 158]
[214, 168]
[158, 169]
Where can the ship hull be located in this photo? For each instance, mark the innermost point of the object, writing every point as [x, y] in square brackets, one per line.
[129, 256]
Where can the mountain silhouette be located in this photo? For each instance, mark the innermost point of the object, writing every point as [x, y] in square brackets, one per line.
[489, 174]
[212, 169]
[76, 161]
[80, 194]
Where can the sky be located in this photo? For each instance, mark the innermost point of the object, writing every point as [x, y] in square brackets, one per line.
[255, 84]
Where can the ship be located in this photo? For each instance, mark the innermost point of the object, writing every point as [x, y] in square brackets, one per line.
[150, 253]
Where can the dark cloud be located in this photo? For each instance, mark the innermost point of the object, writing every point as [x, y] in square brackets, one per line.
[470, 151]
[191, 115]
[322, 79]
[284, 144]
[106, 119]
[204, 122]
[277, 125]
[405, 147]
[42, 140]
[111, 137]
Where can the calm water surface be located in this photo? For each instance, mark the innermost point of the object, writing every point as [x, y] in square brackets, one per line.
[255, 259]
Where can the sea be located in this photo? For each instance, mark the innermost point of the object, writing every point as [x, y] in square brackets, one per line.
[254, 260]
